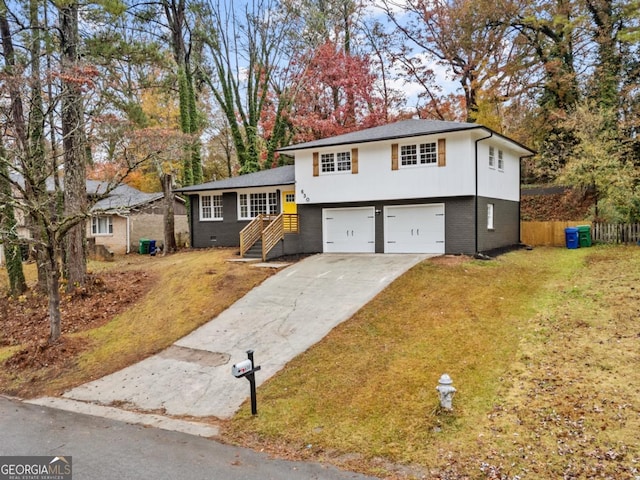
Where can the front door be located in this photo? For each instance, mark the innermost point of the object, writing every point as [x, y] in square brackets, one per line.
[289, 202]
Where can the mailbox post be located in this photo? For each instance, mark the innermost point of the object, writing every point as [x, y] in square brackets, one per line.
[247, 370]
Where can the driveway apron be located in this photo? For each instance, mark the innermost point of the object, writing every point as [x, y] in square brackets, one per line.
[281, 318]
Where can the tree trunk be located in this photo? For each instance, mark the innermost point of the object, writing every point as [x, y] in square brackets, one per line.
[8, 236]
[8, 221]
[75, 187]
[169, 219]
[35, 127]
[53, 291]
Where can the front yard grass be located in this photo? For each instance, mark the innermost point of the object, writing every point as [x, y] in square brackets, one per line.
[189, 289]
[542, 346]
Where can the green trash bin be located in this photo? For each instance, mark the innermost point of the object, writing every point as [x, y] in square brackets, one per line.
[144, 246]
[584, 235]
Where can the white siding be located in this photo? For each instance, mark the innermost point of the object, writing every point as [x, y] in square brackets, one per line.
[376, 180]
[493, 182]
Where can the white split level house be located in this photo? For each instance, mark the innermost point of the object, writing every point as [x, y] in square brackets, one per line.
[414, 186]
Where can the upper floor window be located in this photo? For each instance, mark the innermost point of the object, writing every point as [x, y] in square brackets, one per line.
[500, 160]
[422, 154]
[492, 157]
[335, 162]
[102, 225]
[254, 204]
[211, 207]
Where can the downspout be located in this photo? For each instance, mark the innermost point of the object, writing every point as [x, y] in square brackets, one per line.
[476, 195]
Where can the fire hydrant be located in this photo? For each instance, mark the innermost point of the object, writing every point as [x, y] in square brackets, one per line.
[446, 390]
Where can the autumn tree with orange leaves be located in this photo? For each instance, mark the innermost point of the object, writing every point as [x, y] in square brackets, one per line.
[336, 94]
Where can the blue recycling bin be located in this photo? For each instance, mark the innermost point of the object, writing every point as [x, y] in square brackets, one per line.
[152, 247]
[571, 237]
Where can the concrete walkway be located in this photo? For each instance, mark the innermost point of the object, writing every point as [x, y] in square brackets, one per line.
[281, 318]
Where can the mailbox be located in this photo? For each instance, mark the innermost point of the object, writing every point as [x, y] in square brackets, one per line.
[247, 370]
[242, 368]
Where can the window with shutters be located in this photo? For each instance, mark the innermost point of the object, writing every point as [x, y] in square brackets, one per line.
[335, 162]
[420, 154]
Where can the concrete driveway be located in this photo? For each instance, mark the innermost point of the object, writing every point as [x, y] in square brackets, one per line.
[281, 318]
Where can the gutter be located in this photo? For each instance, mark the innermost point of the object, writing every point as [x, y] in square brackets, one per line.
[476, 195]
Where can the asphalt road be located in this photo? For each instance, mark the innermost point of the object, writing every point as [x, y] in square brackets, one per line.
[104, 449]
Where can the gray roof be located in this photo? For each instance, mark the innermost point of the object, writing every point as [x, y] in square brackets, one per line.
[123, 197]
[264, 178]
[397, 130]
[404, 128]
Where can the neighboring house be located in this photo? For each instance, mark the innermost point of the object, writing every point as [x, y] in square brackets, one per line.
[126, 215]
[415, 186]
[122, 218]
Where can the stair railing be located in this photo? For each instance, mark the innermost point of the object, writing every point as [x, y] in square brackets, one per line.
[251, 234]
[272, 234]
[268, 228]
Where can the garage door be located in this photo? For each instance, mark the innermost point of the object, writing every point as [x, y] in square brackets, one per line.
[414, 229]
[348, 230]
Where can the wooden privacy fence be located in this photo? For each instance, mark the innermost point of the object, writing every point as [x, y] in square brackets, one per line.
[552, 233]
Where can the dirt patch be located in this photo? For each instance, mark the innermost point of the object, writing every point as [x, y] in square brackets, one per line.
[450, 260]
[26, 319]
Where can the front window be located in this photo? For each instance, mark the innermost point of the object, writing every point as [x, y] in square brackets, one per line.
[500, 160]
[492, 157]
[102, 225]
[254, 204]
[211, 207]
[421, 154]
[335, 162]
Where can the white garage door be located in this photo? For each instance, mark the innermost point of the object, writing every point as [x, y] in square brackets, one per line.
[348, 230]
[414, 228]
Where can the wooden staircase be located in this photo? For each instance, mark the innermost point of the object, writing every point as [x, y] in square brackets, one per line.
[255, 251]
[264, 232]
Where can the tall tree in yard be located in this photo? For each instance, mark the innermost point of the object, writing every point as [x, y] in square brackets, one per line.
[176, 16]
[251, 73]
[8, 235]
[550, 29]
[74, 143]
[463, 36]
[600, 161]
[330, 102]
[8, 223]
[26, 154]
